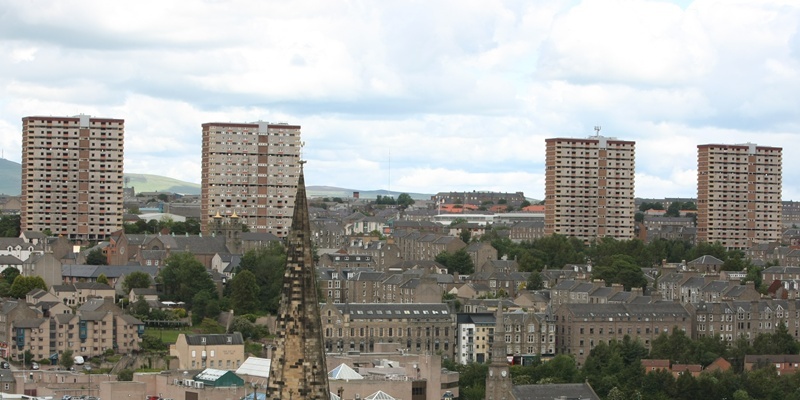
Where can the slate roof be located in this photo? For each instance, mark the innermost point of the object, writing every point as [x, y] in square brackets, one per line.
[30, 323]
[706, 260]
[392, 310]
[92, 315]
[110, 271]
[571, 391]
[626, 309]
[215, 339]
[92, 286]
[716, 286]
[258, 237]
[10, 260]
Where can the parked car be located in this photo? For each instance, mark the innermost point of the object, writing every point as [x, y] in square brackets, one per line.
[4, 365]
[34, 366]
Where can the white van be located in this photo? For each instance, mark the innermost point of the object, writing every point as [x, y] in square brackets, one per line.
[78, 360]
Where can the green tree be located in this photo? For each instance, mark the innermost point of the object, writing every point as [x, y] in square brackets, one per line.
[267, 264]
[620, 269]
[248, 329]
[778, 342]
[140, 308]
[674, 209]
[459, 262]
[465, 235]
[183, 277]
[96, 257]
[9, 226]
[650, 206]
[535, 281]
[9, 274]
[24, 284]
[244, 293]
[103, 279]
[205, 304]
[125, 375]
[137, 280]
[152, 343]
[676, 347]
[404, 200]
[66, 359]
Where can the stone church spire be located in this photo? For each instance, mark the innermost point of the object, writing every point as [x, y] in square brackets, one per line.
[298, 369]
[498, 383]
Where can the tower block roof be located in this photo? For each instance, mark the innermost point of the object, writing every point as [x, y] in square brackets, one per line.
[298, 369]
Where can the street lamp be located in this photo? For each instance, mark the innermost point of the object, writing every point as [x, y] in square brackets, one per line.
[89, 372]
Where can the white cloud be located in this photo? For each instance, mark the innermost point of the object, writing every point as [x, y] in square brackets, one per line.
[462, 94]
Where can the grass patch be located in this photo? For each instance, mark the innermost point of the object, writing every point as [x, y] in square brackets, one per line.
[167, 335]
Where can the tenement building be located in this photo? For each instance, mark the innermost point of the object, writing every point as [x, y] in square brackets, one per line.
[412, 328]
[250, 171]
[589, 186]
[739, 194]
[733, 319]
[72, 176]
[581, 327]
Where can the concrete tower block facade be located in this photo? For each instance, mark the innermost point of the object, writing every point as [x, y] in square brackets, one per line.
[589, 188]
[72, 176]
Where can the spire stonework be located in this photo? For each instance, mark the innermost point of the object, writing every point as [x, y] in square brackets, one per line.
[498, 382]
[298, 369]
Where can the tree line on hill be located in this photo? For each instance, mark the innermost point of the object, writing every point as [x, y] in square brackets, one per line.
[615, 369]
[615, 261]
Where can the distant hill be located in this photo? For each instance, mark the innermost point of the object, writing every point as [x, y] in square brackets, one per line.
[330, 191]
[10, 177]
[11, 184]
[157, 183]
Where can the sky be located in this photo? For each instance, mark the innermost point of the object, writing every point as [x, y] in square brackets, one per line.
[416, 96]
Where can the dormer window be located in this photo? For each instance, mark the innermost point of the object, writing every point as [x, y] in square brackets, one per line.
[203, 340]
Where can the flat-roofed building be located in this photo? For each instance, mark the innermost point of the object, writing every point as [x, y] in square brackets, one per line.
[250, 171]
[589, 185]
[72, 176]
[739, 194]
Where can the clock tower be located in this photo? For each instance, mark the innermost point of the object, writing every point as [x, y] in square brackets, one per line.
[498, 382]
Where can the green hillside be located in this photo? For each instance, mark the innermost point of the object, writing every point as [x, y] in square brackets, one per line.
[156, 183]
[10, 177]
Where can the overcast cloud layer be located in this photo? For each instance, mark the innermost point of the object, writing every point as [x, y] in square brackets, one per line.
[416, 96]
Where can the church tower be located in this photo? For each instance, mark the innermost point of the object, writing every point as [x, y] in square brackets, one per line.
[298, 369]
[498, 382]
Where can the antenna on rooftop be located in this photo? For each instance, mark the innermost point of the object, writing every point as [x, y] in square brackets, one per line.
[597, 130]
[389, 189]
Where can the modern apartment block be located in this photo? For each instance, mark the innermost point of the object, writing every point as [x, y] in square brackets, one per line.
[589, 188]
[72, 176]
[250, 171]
[738, 194]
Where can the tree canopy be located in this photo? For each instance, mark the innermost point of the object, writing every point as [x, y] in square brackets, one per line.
[244, 293]
[137, 280]
[183, 277]
[24, 284]
[9, 226]
[267, 265]
[459, 262]
[96, 257]
[404, 200]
